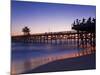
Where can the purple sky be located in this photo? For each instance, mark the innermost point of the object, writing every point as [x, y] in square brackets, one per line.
[47, 17]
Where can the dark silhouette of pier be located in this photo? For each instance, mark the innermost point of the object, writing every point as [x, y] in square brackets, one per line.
[86, 28]
[83, 35]
[51, 37]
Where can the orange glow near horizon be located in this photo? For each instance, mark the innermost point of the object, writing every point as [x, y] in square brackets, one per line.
[36, 29]
[46, 17]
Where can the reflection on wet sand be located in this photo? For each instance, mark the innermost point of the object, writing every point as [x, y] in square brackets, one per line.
[19, 67]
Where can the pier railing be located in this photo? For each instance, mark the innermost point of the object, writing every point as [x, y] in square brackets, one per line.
[81, 38]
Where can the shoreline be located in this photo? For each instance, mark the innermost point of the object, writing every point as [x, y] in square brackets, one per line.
[47, 64]
[85, 62]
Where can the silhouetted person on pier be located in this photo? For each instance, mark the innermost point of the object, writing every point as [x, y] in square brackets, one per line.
[26, 31]
[77, 21]
[94, 20]
[83, 21]
[74, 23]
[89, 20]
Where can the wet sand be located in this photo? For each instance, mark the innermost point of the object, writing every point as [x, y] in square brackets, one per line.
[78, 63]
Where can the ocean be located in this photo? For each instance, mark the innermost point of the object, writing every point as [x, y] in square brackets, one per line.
[27, 56]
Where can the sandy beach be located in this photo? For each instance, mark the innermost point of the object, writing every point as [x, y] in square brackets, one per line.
[77, 63]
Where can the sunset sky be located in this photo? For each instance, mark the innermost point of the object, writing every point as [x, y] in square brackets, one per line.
[46, 17]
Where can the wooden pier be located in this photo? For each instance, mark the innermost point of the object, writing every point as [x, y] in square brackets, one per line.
[82, 36]
[56, 38]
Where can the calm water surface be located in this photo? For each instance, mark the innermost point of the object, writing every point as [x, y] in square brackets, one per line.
[38, 54]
